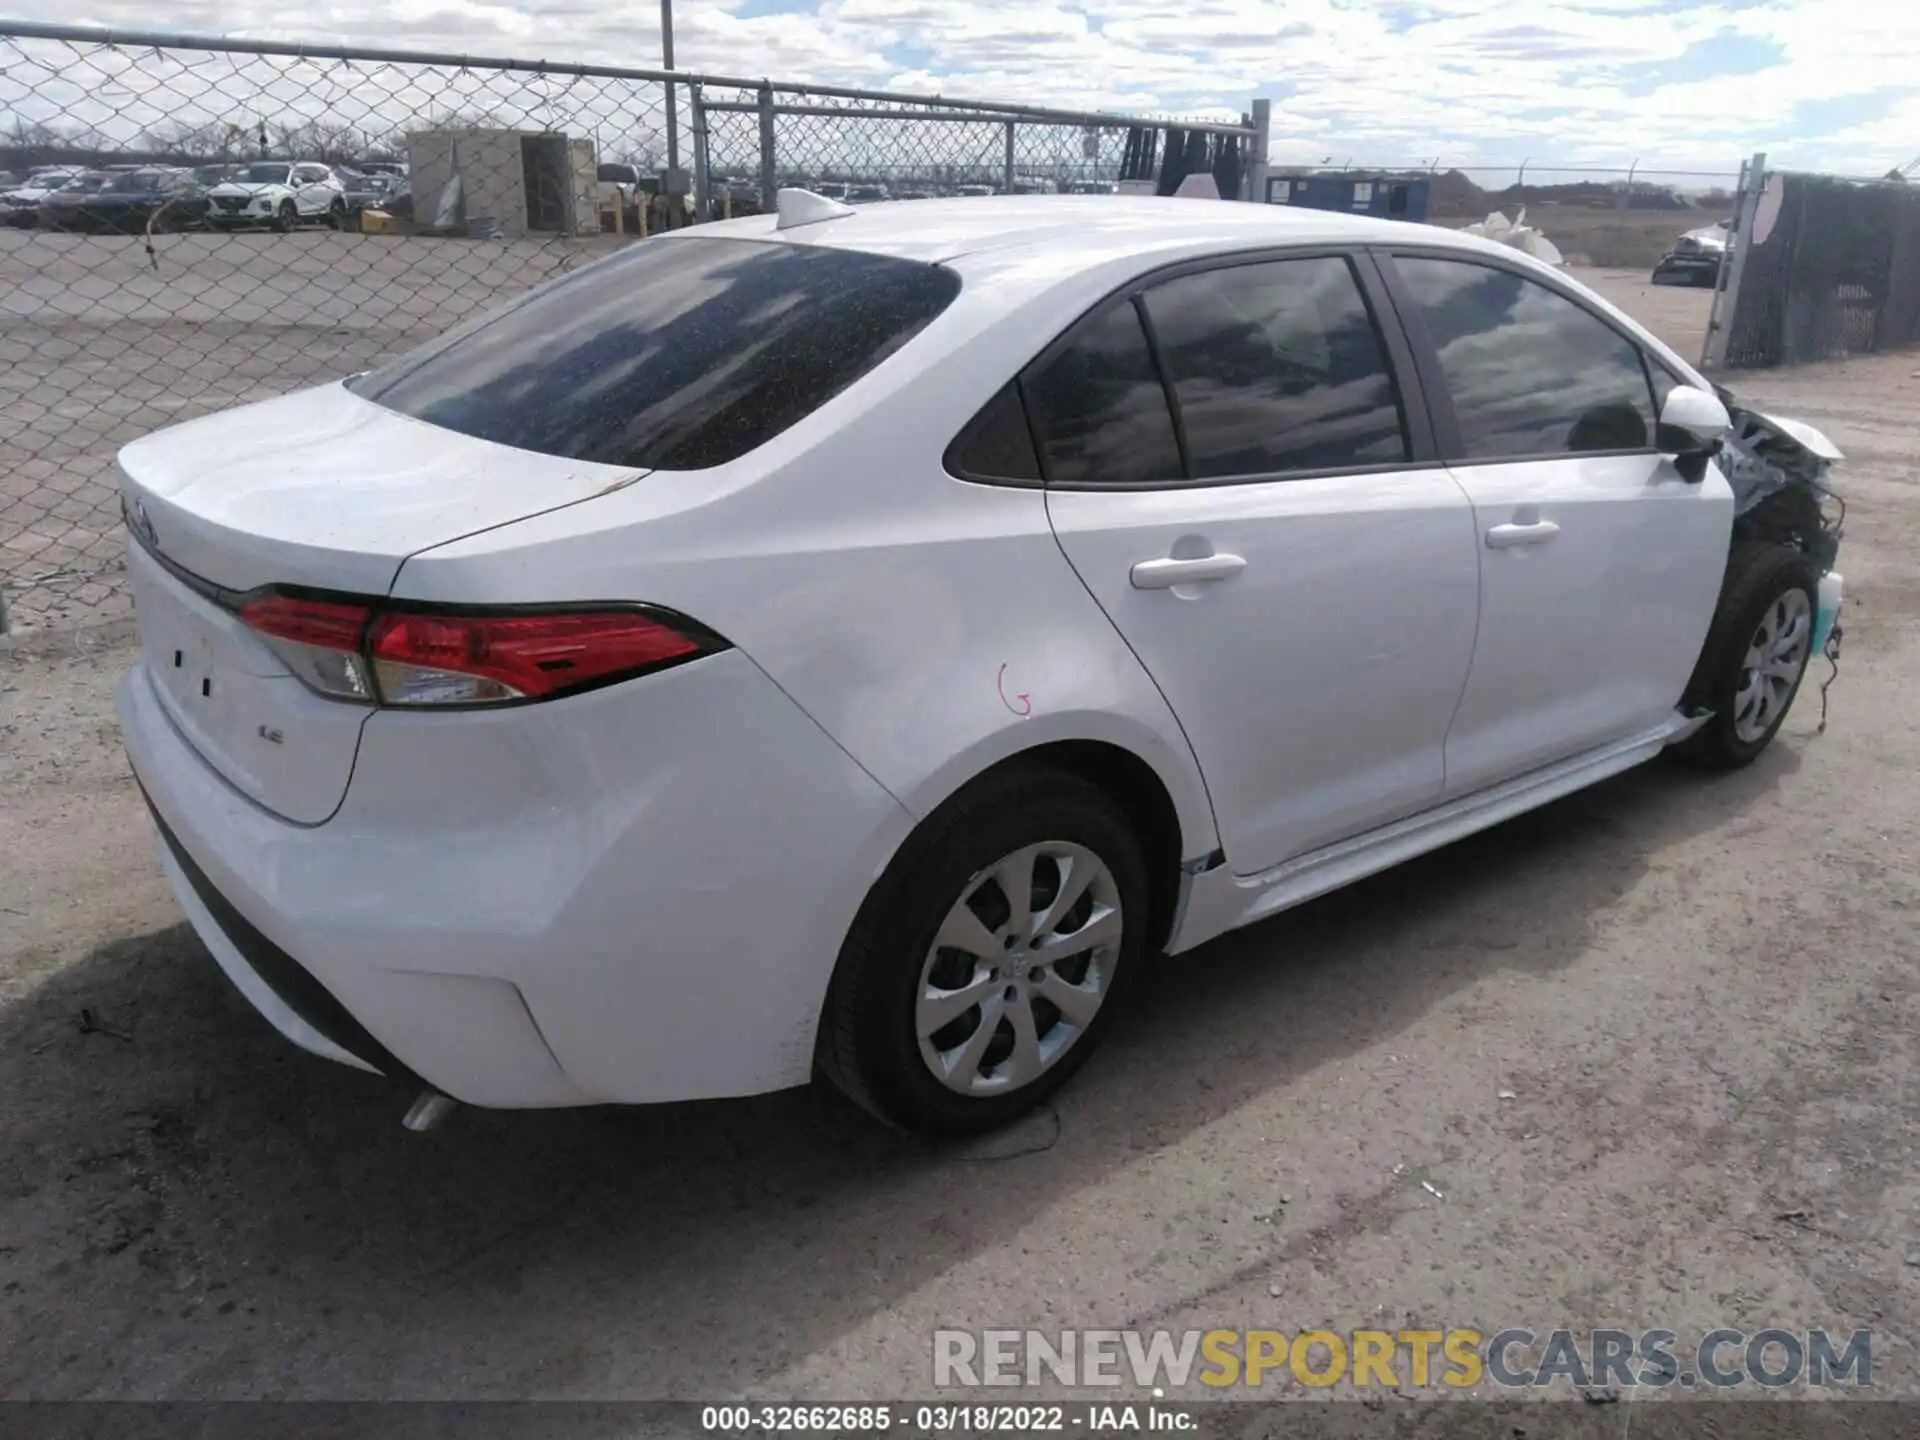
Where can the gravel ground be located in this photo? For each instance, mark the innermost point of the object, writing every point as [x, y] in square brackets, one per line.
[1654, 1047]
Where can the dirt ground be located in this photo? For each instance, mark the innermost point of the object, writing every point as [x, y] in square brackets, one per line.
[1645, 1058]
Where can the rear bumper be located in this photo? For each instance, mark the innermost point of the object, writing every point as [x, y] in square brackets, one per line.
[277, 985]
[633, 895]
[86, 222]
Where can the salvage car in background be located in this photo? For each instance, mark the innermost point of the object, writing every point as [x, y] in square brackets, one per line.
[1696, 257]
[68, 197]
[129, 202]
[366, 190]
[848, 640]
[20, 205]
[281, 194]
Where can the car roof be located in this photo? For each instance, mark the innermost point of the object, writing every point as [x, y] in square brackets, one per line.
[1014, 228]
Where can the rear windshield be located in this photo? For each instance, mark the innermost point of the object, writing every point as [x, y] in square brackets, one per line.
[674, 354]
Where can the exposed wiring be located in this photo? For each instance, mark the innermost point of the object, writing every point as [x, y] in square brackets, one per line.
[1832, 653]
[1840, 520]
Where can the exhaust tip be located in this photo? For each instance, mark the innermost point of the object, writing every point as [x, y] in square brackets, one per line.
[428, 1111]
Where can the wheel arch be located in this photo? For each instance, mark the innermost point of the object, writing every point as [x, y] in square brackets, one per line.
[1125, 777]
[1138, 790]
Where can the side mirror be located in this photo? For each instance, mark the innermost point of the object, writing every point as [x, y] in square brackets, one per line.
[1692, 425]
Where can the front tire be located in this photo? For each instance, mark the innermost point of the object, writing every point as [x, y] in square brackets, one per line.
[992, 957]
[337, 215]
[1755, 656]
[286, 217]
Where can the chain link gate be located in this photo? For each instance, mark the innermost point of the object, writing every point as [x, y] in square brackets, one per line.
[118, 318]
[1822, 267]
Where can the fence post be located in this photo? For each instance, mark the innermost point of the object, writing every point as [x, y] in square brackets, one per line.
[1746, 202]
[702, 176]
[1006, 184]
[769, 169]
[1257, 150]
[673, 112]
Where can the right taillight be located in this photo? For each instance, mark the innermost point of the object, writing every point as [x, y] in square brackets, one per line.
[349, 649]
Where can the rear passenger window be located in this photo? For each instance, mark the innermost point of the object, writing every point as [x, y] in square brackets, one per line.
[1530, 372]
[1277, 367]
[1100, 408]
[997, 445]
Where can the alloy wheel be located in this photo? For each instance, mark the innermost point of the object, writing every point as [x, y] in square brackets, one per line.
[1020, 967]
[1776, 655]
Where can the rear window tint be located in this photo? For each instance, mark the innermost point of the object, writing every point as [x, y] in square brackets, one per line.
[674, 354]
[997, 445]
[1100, 408]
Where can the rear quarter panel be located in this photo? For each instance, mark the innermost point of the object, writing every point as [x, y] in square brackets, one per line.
[931, 626]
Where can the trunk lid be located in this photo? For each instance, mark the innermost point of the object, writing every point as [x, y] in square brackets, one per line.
[323, 488]
[319, 489]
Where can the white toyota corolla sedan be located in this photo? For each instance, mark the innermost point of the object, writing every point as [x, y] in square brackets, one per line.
[855, 641]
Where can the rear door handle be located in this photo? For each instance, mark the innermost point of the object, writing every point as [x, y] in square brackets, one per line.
[1165, 574]
[1505, 537]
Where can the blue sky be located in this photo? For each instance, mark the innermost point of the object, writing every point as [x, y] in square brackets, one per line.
[1831, 84]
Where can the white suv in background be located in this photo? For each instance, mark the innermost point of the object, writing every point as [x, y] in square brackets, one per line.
[279, 193]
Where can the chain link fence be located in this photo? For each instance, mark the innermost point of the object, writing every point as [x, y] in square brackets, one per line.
[189, 223]
[1823, 267]
[911, 149]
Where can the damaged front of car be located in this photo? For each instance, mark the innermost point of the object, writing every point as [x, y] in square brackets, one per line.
[1785, 493]
[1780, 588]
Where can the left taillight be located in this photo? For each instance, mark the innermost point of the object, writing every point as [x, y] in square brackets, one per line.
[374, 654]
[318, 639]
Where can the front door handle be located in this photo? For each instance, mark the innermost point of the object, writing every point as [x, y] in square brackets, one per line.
[1505, 537]
[1165, 574]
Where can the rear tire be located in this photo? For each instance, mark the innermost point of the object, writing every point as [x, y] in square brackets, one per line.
[897, 1036]
[1756, 654]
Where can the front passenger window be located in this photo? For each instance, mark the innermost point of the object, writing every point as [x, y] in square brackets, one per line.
[1531, 373]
